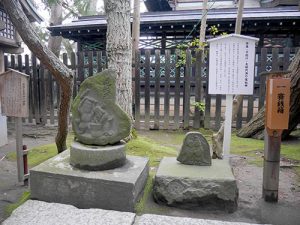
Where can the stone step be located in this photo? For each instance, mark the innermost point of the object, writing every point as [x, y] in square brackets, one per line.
[35, 212]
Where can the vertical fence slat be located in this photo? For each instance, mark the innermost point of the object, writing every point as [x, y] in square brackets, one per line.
[262, 79]
[43, 96]
[218, 112]
[275, 59]
[27, 71]
[90, 63]
[286, 58]
[239, 117]
[80, 69]
[167, 90]
[6, 63]
[157, 90]
[73, 67]
[187, 90]
[207, 99]
[35, 87]
[198, 86]
[177, 95]
[250, 107]
[12, 62]
[99, 61]
[147, 89]
[20, 63]
[51, 98]
[137, 90]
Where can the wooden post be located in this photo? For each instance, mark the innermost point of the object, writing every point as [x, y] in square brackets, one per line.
[277, 119]
[19, 148]
[271, 167]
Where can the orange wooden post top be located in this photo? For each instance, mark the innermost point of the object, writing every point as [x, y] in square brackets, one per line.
[277, 103]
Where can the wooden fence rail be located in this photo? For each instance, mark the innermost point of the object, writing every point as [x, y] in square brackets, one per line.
[164, 94]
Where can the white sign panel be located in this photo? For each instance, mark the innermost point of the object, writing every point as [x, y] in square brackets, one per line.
[231, 65]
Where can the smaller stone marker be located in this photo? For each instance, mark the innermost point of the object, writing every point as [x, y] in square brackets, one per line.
[195, 150]
[193, 180]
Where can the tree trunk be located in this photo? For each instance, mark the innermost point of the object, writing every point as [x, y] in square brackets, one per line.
[54, 43]
[255, 127]
[135, 28]
[118, 49]
[61, 73]
[92, 9]
[203, 22]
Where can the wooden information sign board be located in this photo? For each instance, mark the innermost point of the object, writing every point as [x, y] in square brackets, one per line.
[14, 92]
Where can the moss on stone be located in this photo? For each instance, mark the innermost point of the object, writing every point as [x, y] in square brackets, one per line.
[96, 83]
[95, 106]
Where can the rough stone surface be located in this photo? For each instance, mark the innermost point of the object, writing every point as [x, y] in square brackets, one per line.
[42, 213]
[91, 157]
[195, 150]
[149, 219]
[96, 118]
[55, 180]
[188, 186]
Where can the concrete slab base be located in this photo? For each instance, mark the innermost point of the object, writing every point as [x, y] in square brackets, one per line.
[188, 186]
[43, 213]
[150, 219]
[55, 180]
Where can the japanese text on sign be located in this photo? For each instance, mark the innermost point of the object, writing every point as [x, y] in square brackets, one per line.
[231, 65]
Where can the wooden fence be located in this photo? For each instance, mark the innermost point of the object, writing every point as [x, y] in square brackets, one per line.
[164, 94]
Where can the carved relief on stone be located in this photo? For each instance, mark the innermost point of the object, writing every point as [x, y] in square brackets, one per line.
[97, 119]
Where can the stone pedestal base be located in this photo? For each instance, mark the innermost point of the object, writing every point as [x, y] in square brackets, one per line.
[55, 180]
[91, 157]
[188, 186]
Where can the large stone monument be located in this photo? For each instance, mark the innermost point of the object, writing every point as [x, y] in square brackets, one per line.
[194, 180]
[99, 125]
[95, 172]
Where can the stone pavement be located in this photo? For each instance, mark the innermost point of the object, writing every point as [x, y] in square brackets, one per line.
[41, 213]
